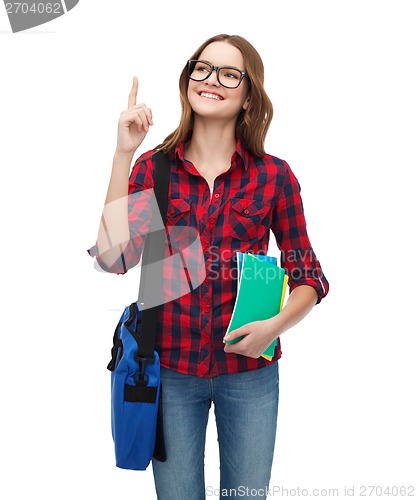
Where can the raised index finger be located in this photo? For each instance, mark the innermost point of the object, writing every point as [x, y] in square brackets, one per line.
[133, 93]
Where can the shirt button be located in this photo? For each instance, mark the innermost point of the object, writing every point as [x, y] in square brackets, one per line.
[207, 309]
[206, 280]
[172, 211]
[212, 221]
[246, 211]
[216, 195]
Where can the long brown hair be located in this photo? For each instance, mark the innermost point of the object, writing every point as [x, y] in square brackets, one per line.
[252, 124]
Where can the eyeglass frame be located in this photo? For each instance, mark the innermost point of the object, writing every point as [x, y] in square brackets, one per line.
[217, 70]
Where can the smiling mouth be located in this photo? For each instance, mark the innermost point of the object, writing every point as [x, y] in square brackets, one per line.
[209, 95]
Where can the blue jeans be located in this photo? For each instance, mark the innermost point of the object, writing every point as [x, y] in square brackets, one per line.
[246, 414]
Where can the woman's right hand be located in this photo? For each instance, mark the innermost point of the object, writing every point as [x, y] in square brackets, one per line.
[133, 123]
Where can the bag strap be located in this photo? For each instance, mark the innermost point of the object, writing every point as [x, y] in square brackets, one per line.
[154, 252]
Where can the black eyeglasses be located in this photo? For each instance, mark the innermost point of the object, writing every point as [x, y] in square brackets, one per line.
[228, 76]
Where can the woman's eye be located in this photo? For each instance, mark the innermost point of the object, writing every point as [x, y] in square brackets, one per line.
[232, 75]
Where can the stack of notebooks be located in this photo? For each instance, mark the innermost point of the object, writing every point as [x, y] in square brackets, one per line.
[261, 289]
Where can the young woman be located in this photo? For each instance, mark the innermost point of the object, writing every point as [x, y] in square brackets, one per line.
[225, 187]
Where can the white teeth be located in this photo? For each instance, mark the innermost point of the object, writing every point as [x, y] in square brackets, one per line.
[210, 96]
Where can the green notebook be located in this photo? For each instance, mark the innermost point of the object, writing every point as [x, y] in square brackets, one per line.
[259, 296]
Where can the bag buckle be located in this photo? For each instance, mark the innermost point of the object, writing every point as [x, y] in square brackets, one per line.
[141, 378]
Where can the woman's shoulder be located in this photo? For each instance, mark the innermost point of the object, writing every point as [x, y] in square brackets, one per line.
[272, 158]
[272, 163]
[278, 168]
[141, 174]
[145, 157]
[148, 156]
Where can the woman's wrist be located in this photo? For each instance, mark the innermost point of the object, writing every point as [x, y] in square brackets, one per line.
[276, 326]
[299, 304]
[124, 156]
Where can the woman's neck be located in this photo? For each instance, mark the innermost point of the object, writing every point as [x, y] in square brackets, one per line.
[211, 145]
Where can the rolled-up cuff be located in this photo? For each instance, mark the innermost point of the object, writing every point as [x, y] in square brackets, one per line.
[118, 267]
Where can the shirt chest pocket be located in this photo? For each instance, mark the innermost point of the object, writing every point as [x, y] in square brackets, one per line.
[247, 218]
[179, 220]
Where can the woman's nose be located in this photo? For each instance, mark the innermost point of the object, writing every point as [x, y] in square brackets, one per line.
[213, 79]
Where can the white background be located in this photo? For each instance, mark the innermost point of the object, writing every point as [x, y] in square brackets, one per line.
[342, 79]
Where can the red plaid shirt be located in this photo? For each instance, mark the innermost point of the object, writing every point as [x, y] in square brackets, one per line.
[253, 196]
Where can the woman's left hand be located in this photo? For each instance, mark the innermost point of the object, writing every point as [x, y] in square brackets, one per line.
[258, 335]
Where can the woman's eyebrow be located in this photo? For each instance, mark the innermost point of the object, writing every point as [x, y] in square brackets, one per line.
[220, 65]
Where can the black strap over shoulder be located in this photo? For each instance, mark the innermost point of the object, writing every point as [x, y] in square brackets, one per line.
[154, 251]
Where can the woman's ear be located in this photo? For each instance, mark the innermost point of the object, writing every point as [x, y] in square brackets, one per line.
[246, 102]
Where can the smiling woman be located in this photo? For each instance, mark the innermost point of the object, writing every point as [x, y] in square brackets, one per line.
[233, 96]
[253, 117]
[218, 146]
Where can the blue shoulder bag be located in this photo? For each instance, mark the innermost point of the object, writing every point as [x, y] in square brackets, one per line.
[136, 391]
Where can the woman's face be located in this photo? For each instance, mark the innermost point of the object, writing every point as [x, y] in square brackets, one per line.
[208, 98]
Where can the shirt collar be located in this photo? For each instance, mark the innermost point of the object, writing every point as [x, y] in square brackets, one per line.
[240, 156]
